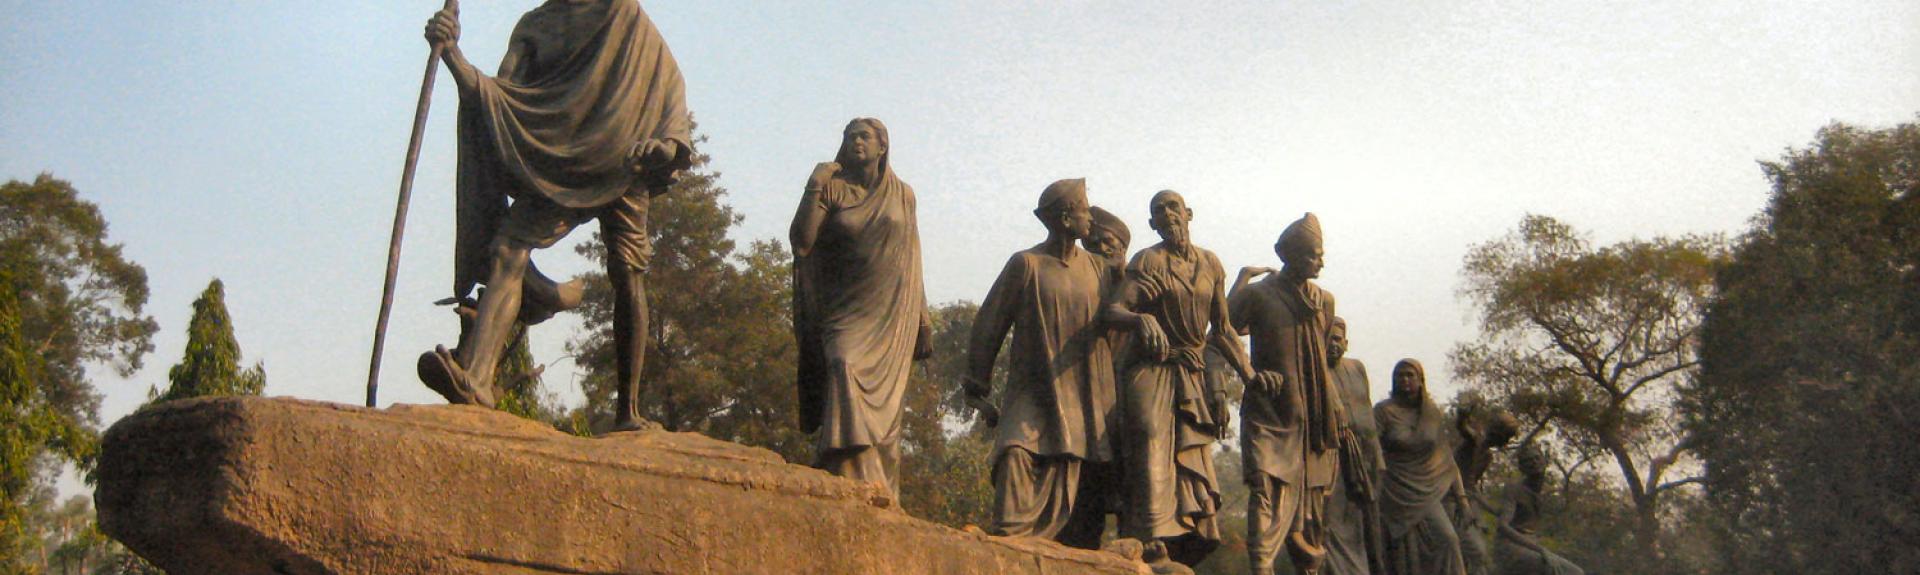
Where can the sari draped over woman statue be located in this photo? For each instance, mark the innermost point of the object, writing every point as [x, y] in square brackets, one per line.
[859, 309]
[1414, 439]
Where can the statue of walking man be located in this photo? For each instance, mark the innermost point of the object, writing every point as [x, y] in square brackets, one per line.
[1175, 299]
[1289, 433]
[1053, 450]
[585, 120]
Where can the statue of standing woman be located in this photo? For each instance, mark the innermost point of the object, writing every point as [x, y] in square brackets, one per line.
[1414, 439]
[860, 307]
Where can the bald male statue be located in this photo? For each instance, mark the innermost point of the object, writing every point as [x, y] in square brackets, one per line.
[1175, 299]
[587, 120]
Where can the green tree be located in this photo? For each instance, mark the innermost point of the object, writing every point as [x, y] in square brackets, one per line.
[211, 366]
[1808, 401]
[522, 392]
[69, 541]
[720, 351]
[1588, 346]
[945, 476]
[27, 426]
[80, 299]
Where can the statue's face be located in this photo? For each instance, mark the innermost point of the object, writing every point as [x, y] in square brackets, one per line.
[1076, 219]
[1170, 216]
[1407, 382]
[1105, 243]
[1304, 263]
[1532, 462]
[1336, 345]
[863, 144]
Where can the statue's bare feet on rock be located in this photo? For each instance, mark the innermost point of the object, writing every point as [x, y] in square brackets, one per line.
[442, 373]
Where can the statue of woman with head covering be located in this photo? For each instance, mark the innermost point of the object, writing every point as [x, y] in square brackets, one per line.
[860, 307]
[1414, 439]
[1517, 552]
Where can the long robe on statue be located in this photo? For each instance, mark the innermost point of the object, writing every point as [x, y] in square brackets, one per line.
[1346, 516]
[561, 135]
[859, 302]
[1289, 452]
[1168, 413]
[1415, 441]
[1059, 394]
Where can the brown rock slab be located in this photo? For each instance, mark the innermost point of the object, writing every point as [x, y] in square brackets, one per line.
[255, 485]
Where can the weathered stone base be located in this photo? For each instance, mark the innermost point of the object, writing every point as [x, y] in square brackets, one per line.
[252, 485]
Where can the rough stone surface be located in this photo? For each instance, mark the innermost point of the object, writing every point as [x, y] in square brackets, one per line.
[252, 485]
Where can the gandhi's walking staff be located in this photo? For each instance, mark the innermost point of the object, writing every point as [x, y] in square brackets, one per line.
[400, 216]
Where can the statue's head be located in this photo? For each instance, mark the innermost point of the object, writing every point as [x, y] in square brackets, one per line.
[1501, 429]
[1064, 210]
[1409, 381]
[1169, 217]
[1336, 340]
[1109, 236]
[1300, 248]
[862, 144]
[1532, 461]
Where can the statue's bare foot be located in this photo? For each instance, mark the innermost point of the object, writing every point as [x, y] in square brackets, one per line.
[443, 374]
[634, 424]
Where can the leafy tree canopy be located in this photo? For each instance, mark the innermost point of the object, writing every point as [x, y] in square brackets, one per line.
[80, 300]
[1808, 400]
[1589, 345]
[211, 366]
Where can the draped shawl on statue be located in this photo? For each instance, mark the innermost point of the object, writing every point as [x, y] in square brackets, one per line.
[1305, 302]
[565, 134]
[858, 301]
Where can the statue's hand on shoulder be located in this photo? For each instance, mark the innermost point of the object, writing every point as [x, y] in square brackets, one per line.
[443, 30]
[822, 173]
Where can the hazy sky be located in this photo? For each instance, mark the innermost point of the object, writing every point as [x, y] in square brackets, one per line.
[261, 142]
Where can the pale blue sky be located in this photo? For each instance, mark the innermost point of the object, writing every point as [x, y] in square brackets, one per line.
[261, 142]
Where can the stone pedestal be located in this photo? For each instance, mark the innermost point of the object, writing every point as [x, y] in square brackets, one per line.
[254, 485]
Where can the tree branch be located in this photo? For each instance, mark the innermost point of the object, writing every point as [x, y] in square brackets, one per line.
[1663, 372]
[1562, 340]
[1697, 480]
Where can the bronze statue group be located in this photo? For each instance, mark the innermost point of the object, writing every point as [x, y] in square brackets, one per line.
[1114, 396]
